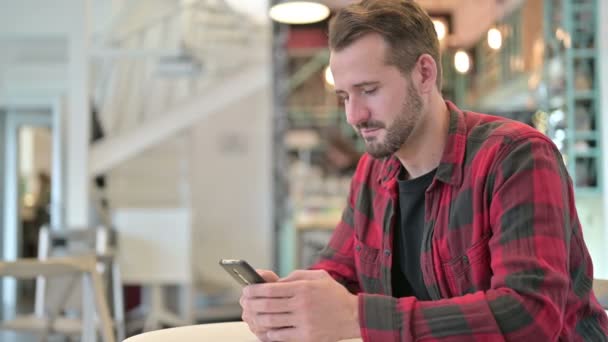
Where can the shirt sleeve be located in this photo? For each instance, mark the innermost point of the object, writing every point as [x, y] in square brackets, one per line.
[536, 252]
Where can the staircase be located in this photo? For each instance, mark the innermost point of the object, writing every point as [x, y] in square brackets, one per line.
[164, 67]
[180, 85]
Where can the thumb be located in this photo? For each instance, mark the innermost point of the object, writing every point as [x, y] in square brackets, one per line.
[305, 275]
[268, 275]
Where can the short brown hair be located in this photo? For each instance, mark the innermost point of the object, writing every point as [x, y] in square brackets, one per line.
[403, 24]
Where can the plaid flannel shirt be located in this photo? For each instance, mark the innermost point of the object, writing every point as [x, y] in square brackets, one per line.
[503, 255]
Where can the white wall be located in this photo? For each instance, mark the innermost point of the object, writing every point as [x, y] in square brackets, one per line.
[33, 80]
[232, 187]
[601, 269]
[35, 17]
[52, 18]
[2, 172]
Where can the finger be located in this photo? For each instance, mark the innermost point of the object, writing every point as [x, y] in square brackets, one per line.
[263, 337]
[284, 334]
[268, 275]
[247, 319]
[304, 275]
[275, 321]
[269, 305]
[271, 290]
[245, 304]
[253, 328]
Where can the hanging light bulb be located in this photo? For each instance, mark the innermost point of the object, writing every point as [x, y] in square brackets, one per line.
[462, 62]
[329, 77]
[440, 28]
[494, 38]
[299, 12]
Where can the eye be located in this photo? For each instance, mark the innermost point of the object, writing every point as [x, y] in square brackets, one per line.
[369, 91]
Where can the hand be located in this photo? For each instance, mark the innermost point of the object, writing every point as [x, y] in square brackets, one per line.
[305, 306]
[270, 277]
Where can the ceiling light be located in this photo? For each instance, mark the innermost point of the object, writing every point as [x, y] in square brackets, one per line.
[329, 77]
[440, 28]
[494, 38]
[299, 12]
[462, 62]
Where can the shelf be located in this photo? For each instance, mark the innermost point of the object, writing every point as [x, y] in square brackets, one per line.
[591, 153]
[582, 8]
[584, 53]
[587, 192]
[579, 65]
[586, 135]
[584, 95]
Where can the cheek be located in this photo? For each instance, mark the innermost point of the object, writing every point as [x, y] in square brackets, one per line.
[385, 107]
[378, 104]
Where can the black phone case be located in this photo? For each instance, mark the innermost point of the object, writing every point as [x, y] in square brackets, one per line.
[242, 272]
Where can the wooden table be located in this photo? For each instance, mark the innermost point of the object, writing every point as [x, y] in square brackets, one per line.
[230, 331]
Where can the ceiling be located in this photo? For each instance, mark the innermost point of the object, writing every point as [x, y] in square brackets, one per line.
[470, 18]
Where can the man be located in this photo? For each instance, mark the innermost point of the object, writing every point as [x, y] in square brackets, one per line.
[459, 226]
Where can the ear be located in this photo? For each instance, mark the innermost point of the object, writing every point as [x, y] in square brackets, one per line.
[426, 70]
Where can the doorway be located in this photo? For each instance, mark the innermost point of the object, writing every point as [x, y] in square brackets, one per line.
[31, 190]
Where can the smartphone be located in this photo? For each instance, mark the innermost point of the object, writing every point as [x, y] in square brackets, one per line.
[241, 271]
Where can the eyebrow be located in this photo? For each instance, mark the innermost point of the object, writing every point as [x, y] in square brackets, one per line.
[364, 84]
[359, 85]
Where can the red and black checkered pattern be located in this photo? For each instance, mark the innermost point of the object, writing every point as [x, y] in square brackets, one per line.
[503, 255]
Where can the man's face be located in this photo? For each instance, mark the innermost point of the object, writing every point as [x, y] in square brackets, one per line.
[380, 103]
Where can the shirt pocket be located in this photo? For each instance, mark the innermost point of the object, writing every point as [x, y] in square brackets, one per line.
[469, 272]
[368, 267]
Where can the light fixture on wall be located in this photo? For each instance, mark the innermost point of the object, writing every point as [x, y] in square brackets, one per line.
[441, 28]
[329, 77]
[462, 61]
[494, 38]
[442, 22]
[299, 12]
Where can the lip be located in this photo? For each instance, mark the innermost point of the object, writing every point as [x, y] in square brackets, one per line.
[368, 131]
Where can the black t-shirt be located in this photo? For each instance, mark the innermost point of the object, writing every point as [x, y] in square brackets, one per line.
[407, 242]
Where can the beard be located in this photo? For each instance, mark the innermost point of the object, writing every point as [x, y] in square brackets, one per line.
[399, 130]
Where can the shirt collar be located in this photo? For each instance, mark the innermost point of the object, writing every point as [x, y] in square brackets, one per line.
[450, 168]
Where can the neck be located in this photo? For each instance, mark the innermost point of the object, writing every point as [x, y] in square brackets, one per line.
[423, 150]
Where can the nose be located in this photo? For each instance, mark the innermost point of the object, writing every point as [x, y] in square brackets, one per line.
[356, 111]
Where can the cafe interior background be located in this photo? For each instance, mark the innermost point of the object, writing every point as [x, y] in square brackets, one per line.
[194, 130]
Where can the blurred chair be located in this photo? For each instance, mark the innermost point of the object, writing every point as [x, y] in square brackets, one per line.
[94, 303]
[67, 307]
[155, 253]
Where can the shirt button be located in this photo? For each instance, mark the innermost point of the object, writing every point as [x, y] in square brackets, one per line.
[358, 248]
[387, 252]
[465, 259]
